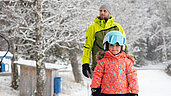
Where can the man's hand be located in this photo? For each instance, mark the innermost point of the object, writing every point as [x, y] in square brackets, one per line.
[86, 70]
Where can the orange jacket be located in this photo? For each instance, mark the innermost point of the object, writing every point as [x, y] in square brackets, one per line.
[117, 74]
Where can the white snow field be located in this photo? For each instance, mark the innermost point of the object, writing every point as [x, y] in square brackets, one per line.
[151, 83]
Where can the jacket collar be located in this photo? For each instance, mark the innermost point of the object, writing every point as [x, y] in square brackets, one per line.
[108, 54]
[103, 23]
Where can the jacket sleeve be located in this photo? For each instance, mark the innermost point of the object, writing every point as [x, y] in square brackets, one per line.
[88, 45]
[132, 77]
[97, 75]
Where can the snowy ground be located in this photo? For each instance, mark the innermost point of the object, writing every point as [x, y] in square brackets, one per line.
[151, 83]
[5, 90]
[154, 83]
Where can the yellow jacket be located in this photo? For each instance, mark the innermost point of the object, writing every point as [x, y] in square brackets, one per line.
[90, 35]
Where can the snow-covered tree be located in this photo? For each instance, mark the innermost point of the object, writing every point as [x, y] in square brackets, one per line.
[144, 23]
[9, 27]
[63, 25]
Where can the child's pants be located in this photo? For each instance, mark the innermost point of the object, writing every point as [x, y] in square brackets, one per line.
[115, 94]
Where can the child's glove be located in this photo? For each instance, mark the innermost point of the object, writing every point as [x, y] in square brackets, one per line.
[96, 91]
[132, 94]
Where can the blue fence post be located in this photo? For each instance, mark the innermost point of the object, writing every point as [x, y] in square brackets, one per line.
[57, 85]
[2, 67]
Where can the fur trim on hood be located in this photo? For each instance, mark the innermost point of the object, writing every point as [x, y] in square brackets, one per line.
[132, 57]
[100, 55]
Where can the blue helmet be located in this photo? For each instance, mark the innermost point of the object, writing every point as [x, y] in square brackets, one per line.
[113, 37]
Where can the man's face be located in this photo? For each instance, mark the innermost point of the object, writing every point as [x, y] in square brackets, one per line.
[104, 14]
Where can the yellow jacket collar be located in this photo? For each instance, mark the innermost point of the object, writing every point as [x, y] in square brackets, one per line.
[103, 23]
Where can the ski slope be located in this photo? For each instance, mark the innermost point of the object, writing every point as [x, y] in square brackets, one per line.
[151, 83]
[154, 83]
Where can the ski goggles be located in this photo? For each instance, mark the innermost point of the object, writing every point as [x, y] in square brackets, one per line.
[115, 39]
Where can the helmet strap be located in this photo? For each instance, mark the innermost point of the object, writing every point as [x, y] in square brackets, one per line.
[106, 46]
[122, 47]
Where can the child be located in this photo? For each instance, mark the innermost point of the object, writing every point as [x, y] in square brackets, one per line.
[114, 74]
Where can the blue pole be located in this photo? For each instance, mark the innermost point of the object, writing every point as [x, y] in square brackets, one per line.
[57, 85]
[2, 67]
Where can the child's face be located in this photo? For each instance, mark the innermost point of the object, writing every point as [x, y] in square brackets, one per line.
[115, 49]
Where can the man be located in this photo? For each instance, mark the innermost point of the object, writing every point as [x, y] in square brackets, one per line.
[94, 37]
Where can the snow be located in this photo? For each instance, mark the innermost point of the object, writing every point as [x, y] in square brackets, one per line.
[161, 66]
[154, 83]
[2, 53]
[71, 88]
[5, 89]
[33, 64]
[151, 83]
